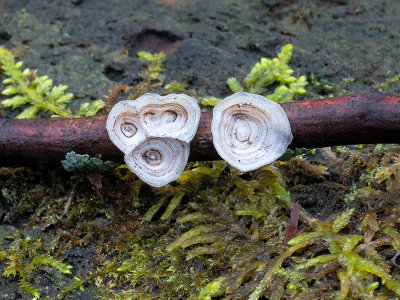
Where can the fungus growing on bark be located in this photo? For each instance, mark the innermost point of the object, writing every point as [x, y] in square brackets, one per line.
[158, 161]
[250, 131]
[154, 133]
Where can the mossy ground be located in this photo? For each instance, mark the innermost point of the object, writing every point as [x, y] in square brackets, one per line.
[125, 239]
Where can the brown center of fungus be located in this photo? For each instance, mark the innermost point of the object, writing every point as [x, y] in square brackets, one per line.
[128, 129]
[152, 157]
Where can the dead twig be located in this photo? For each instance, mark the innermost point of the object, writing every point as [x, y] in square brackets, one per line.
[356, 119]
[69, 202]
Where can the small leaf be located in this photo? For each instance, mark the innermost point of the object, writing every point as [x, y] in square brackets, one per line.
[154, 209]
[173, 204]
[144, 55]
[64, 99]
[234, 85]
[370, 267]
[8, 81]
[351, 242]
[90, 109]
[344, 284]
[9, 91]
[210, 101]
[19, 64]
[394, 235]
[210, 290]
[175, 87]
[203, 250]
[282, 194]
[26, 72]
[194, 232]
[28, 113]
[342, 220]
[311, 262]
[15, 101]
[305, 237]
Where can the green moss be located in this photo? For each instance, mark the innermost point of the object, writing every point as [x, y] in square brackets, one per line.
[216, 232]
[359, 271]
[383, 86]
[151, 77]
[23, 256]
[219, 233]
[156, 65]
[175, 87]
[25, 88]
[263, 78]
[204, 234]
[210, 289]
[327, 88]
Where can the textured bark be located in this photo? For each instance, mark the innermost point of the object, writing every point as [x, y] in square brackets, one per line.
[356, 119]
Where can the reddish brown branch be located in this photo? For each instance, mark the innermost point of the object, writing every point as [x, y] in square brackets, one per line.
[357, 119]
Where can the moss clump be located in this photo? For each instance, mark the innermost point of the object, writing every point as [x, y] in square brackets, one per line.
[264, 76]
[384, 86]
[24, 88]
[357, 265]
[227, 238]
[224, 214]
[219, 233]
[326, 88]
[216, 232]
[24, 256]
[151, 77]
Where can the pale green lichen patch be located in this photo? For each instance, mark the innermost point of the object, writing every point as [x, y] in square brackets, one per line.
[85, 163]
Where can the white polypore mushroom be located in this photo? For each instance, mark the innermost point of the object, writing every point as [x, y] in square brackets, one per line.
[154, 133]
[250, 131]
[173, 115]
[158, 161]
[124, 126]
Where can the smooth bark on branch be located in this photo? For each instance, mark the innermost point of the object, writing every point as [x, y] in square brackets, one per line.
[356, 119]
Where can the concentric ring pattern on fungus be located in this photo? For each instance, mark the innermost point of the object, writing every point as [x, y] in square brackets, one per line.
[154, 133]
[250, 131]
[158, 160]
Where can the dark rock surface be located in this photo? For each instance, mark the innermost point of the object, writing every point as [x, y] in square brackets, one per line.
[91, 45]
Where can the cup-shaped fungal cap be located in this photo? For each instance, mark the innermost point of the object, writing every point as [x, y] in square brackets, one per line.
[158, 161]
[250, 131]
[173, 115]
[124, 127]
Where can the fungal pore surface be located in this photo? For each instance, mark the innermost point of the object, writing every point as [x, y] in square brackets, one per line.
[154, 133]
[250, 131]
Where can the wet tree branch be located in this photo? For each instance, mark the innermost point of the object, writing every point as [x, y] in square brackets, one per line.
[356, 119]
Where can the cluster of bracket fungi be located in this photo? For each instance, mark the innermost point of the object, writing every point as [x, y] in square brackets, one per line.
[154, 133]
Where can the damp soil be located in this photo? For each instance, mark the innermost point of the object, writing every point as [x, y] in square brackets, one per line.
[92, 46]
